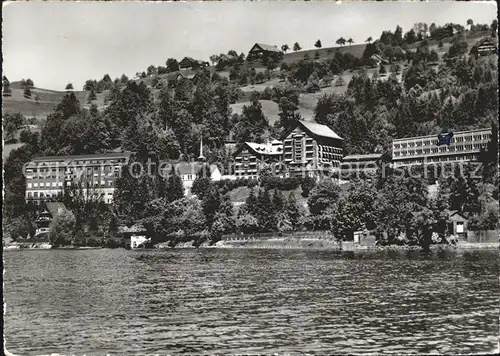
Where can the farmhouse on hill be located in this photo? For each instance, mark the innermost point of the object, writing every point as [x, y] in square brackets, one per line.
[484, 47]
[45, 217]
[260, 50]
[251, 155]
[191, 63]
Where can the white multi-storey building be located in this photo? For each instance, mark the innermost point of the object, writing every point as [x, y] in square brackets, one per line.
[47, 177]
[464, 147]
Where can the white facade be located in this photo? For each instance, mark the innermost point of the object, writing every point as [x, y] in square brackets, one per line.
[464, 147]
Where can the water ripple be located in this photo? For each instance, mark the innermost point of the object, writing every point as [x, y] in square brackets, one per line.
[250, 302]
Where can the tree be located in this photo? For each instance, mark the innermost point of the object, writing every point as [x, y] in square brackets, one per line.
[433, 56]
[151, 70]
[247, 224]
[89, 85]
[323, 196]
[341, 41]
[201, 184]
[27, 92]
[124, 79]
[345, 220]
[458, 48]
[382, 70]
[37, 99]
[92, 96]
[296, 47]
[494, 25]
[6, 86]
[410, 37]
[62, 229]
[252, 123]
[350, 41]
[293, 211]
[172, 65]
[69, 86]
[29, 83]
[174, 189]
[251, 203]
[317, 44]
[211, 204]
[285, 48]
[369, 40]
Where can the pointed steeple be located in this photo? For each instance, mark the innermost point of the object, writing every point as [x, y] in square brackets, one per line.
[201, 157]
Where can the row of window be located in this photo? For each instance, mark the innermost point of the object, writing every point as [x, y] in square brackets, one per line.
[458, 148]
[438, 159]
[432, 142]
[52, 194]
[60, 184]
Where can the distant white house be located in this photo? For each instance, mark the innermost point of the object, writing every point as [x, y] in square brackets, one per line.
[189, 171]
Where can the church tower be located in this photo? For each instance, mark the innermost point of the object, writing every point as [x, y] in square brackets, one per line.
[201, 158]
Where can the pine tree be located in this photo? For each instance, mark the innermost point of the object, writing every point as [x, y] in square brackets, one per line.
[27, 92]
[279, 202]
[175, 189]
[293, 210]
[201, 184]
[6, 86]
[211, 205]
[265, 211]
[251, 203]
[92, 96]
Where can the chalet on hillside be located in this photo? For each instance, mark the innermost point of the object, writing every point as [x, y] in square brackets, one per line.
[260, 50]
[250, 157]
[377, 60]
[457, 223]
[175, 77]
[49, 212]
[484, 47]
[191, 63]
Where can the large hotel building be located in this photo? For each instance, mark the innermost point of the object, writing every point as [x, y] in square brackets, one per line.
[464, 146]
[309, 149]
[47, 177]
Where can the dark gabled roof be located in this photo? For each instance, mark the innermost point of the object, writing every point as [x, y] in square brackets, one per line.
[187, 59]
[456, 212]
[274, 148]
[485, 41]
[266, 47]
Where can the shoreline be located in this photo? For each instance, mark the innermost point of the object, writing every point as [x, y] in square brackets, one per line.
[277, 243]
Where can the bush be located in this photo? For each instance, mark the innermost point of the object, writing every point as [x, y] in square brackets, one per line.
[340, 82]
[267, 94]
[62, 229]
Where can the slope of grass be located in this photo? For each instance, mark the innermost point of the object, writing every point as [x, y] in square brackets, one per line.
[324, 53]
[8, 148]
[48, 100]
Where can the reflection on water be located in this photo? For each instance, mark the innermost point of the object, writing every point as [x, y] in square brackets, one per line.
[250, 301]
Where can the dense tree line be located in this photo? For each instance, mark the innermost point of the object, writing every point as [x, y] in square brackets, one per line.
[168, 123]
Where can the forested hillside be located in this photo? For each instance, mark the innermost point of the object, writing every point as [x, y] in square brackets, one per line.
[162, 114]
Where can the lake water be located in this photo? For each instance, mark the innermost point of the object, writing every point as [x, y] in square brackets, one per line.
[229, 301]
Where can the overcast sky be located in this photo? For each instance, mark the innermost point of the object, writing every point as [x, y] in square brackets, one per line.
[57, 43]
